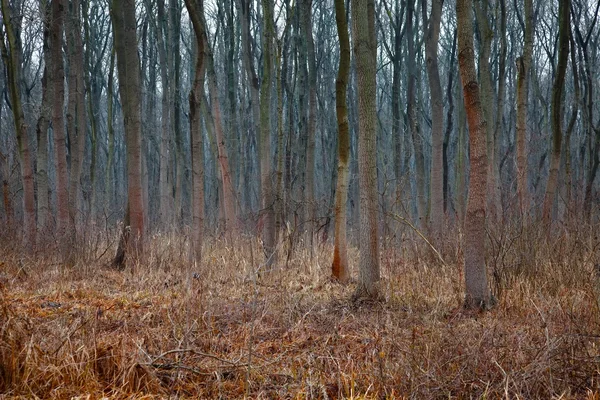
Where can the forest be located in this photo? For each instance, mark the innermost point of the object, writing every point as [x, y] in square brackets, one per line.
[307, 199]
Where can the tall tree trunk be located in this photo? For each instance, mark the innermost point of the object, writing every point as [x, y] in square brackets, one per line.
[11, 58]
[175, 83]
[365, 52]
[42, 127]
[58, 121]
[411, 112]
[76, 118]
[265, 135]
[499, 125]
[309, 194]
[109, 177]
[449, 124]
[432, 34]
[252, 78]
[486, 34]
[477, 292]
[339, 269]
[128, 68]
[165, 191]
[557, 102]
[196, 10]
[228, 192]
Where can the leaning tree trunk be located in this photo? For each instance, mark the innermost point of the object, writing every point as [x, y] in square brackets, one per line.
[339, 269]
[557, 91]
[128, 68]
[11, 61]
[365, 52]
[477, 292]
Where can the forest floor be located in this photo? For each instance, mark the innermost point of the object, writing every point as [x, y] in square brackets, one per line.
[87, 331]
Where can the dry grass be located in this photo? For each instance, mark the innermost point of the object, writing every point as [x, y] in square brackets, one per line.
[87, 331]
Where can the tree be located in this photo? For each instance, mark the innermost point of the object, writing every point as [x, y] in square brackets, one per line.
[339, 268]
[43, 124]
[11, 54]
[365, 53]
[432, 34]
[76, 116]
[196, 10]
[523, 67]
[557, 101]
[412, 111]
[223, 158]
[477, 292]
[58, 118]
[128, 69]
[267, 199]
[310, 127]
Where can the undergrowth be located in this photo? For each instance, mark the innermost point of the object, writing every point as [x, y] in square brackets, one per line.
[229, 329]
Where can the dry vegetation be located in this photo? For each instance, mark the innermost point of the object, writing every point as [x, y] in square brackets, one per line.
[168, 329]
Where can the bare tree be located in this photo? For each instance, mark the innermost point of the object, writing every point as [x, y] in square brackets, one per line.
[365, 52]
[432, 34]
[76, 115]
[477, 292]
[557, 101]
[340, 269]
[267, 200]
[11, 54]
[196, 10]
[128, 68]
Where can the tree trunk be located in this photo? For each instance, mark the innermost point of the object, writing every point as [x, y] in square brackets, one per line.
[486, 34]
[309, 193]
[557, 101]
[58, 121]
[108, 180]
[432, 35]
[228, 192]
[76, 118]
[128, 68]
[340, 269]
[196, 10]
[365, 52]
[42, 127]
[165, 191]
[11, 57]
[411, 112]
[477, 292]
[265, 136]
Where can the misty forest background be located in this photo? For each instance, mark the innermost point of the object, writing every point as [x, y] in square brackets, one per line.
[186, 183]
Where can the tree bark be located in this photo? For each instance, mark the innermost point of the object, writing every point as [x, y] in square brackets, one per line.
[432, 34]
[339, 268]
[477, 292]
[486, 34]
[222, 156]
[196, 10]
[76, 117]
[411, 113]
[557, 102]
[128, 68]
[11, 57]
[365, 52]
[42, 127]
[265, 136]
